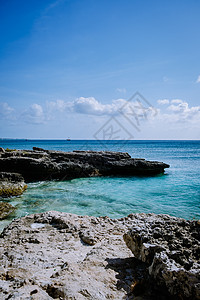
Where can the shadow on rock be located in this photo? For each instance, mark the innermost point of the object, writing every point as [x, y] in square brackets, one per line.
[134, 278]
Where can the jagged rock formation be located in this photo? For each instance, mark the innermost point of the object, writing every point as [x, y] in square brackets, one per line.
[11, 184]
[63, 256]
[171, 248]
[42, 164]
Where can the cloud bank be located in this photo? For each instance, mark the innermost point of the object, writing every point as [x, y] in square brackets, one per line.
[169, 114]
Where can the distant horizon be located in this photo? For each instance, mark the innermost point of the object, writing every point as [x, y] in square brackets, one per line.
[71, 139]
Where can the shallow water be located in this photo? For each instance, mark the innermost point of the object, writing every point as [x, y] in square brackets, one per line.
[177, 192]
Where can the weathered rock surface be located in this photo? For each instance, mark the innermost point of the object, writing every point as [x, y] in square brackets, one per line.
[39, 164]
[11, 184]
[63, 256]
[171, 248]
[5, 210]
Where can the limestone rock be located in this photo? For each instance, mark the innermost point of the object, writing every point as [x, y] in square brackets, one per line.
[43, 256]
[171, 248]
[11, 184]
[57, 255]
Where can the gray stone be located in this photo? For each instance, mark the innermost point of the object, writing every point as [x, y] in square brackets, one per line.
[54, 256]
[171, 248]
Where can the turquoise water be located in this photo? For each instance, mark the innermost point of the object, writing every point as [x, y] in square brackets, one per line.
[177, 192]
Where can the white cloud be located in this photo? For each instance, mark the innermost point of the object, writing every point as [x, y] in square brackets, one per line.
[180, 111]
[59, 105]
[5, 110]
[162, 102]
[89, 106]
[174, 119]
[92, 106]
[198, 79]
[171, 112]
[173, 116]
[180, 107]
[177, 101]
[34, 114]
[54, 107]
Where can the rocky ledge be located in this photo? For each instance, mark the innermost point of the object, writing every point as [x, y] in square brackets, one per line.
[40, 164]
[11, 184]
[171, 249]
[57, 255]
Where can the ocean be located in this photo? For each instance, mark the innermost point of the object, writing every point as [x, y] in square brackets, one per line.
[176, 192]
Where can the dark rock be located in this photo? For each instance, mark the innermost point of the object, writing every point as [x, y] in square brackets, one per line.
[88, 237]
[5, 210]
[13, 177]
[41, 164]
[11, 184]
[38, 149]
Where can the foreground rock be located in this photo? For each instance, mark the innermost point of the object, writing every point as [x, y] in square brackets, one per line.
[42, 164]
[5, 210]
[171, 248]
[63, 256]
[11, 184]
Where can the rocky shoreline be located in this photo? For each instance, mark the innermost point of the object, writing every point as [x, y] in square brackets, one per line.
[57, 255]
[40, 164]
[20, 166]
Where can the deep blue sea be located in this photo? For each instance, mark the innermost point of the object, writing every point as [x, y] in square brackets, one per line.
[177, 192]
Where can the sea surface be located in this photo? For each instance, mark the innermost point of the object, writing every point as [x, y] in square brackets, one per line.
[177, 192]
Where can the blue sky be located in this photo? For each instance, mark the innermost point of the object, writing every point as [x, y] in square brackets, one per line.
[67, 68]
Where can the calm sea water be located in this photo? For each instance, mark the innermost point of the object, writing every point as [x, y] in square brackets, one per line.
[177, 192]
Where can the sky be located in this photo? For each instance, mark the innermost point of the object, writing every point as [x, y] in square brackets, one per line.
[100, 69]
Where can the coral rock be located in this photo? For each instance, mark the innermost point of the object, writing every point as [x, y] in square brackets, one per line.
[171, 248]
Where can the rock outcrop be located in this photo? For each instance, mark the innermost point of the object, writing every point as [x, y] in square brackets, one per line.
[40, 164]
[57, 255]
[5, 210]
[171, 248]
[11, 184]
